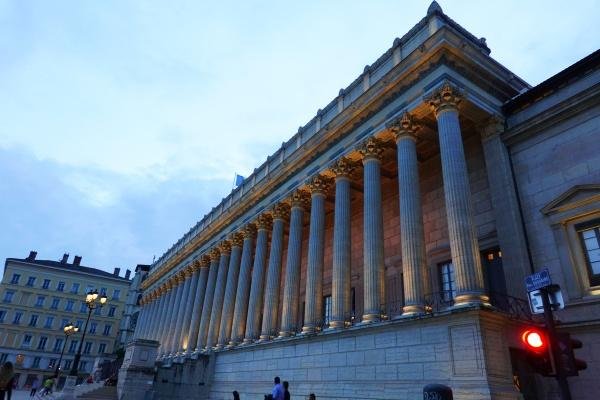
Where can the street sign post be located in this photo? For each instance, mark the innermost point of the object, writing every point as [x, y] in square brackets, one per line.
[556, 299]
[538, 280]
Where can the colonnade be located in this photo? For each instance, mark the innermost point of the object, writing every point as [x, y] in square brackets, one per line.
[230, 296]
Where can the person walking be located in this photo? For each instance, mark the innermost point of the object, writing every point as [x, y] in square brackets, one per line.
[277, 391]
[48, 384]
[286, 392]
[34, 387]
[7, 378]
[236, 395]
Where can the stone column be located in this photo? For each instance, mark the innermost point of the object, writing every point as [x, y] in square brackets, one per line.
[145, 317]
[174, 313]
[147, 333]
[457, 193]
[281, 213]
[189, 301]
[182, 311]
[313, 310]
[291, 289]
[208, 299]
[341, 304]
[217, 306]
[263, 223]
[374, 267]
[166, 317]
[155, 326]
[412, 236]
[192, 337]
[240, 312]
[230, 288]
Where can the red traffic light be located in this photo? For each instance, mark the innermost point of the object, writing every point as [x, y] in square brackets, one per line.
[534, 340]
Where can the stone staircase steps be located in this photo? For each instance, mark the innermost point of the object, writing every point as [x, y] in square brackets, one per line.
[102, 393]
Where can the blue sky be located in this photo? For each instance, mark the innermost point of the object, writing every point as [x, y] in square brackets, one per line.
[123, 122]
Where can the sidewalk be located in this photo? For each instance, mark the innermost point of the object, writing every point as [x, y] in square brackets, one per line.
[24, 395]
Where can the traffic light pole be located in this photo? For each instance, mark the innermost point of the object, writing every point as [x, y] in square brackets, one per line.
[563, 384]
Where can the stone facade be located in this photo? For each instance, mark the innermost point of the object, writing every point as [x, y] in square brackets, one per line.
[385, 245]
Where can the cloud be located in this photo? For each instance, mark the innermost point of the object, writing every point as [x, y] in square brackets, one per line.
[112, 220]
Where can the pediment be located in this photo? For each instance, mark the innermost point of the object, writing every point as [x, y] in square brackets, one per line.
[575, 197]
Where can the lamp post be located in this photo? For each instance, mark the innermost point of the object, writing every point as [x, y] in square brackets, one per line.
[92, 301]
[68, 329]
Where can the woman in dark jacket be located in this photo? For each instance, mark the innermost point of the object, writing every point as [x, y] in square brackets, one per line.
[7, 380]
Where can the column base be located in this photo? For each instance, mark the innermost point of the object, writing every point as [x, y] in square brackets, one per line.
[370, 318]
[338, 324]
[468, 299]
[247, 341]
[308, 329]
[285, 334]
[264, 338]
[413, 309]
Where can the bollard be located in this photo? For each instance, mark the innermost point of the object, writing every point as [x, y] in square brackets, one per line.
[436, 391]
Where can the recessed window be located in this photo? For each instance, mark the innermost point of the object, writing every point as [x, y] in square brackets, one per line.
[106, 330]
[63, 323]
[73, 346]
[52, 363]
[326, 310]
[116, 294]
[2, 316]
[49, 321]
[42, 343]
[60, 287]
[33, 320]
[46, 284]
[89, 288]
[448, 288]
[40, 301]
[17, 318]
[36, 362]
[101, 348]
[98, 311]
[3, 358]
[58, 344]
[67, 364]
[54, 304]
[69, 306]
[87, 348]
[8, 297]
[83, 366]
[15, 279]
[111, 311]
[79, 324]
[83, 307]
[589, 234]
[93, 327]
[27, 340]
[75, 288]
[31, 281]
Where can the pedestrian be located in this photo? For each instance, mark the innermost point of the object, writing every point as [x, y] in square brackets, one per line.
[312, 396]
[286, 392]
[236, 395]
[7, 378]
[48, 384]
[34, 386]
[277, 391]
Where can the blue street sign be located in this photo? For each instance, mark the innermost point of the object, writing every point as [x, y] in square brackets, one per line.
[538, 280]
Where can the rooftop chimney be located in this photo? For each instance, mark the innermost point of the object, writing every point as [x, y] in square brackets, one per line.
[32, 255]
[77, 261]
[127, 273]
[117, 271]
[65, 258]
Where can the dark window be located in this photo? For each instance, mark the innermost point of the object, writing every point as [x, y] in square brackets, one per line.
[589, 233]
[27, 340]
[58, 345]
[68, 364]
[93, 327]
[8, 297]
[55, 302]
[40, 301]
[46, 284]
[75, 288]
[87, 348]
[60, 287]
[42, 343]
[18, 316]
[33, 320]
[31, 281]
[83, 307]
[2, 315]
[15, 279]
[111, 311]
[106, 331]
[69, 306]
[36, 362]
[73, 346]
[101, 348]
[447, 285]
[49, 321]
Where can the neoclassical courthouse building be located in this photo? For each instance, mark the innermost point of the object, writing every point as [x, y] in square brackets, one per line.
[385, 245]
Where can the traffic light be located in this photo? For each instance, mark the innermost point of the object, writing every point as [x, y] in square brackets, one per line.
[568, 363]
[537, 351]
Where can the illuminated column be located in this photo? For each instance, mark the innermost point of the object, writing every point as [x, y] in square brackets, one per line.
[174, 314]
[340, 282]
[263, 224]
[183, 310]
[155, 327]
[374, 267]
[192, 338]
[412, 236]
[281, 213]
[313, 310]
[217, 308]
[457, 193]
[166, 317]
[208, 299]
[152, 311]
[190, 301]
[230, 294]
[240, 312]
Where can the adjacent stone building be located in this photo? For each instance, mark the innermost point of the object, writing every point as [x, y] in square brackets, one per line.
[39, 297]
[385, 245]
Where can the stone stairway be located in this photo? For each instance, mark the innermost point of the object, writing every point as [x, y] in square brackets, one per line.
[102, 393]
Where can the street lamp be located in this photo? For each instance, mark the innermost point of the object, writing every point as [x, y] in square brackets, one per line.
[92, 301]
[68, 329]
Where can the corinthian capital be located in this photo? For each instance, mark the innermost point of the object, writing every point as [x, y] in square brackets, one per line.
[237, 239]
[205, 261]
[492, 127]
[319, 184]
[300, 198]
[214, 254]
[343, 167]
[249, 231]
[225, 247]
[264, 221]
[446, 97]
[372, 148]
[405, 125]
[281, 211]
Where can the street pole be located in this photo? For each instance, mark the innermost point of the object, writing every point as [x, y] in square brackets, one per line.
[74, 369]
[563, 384]
[57, 370]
